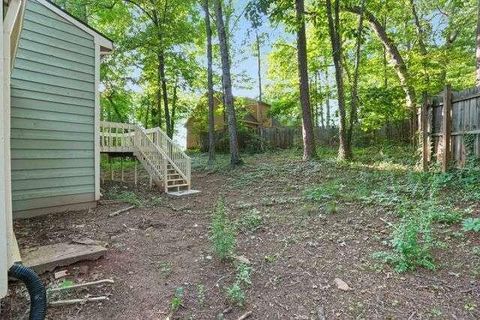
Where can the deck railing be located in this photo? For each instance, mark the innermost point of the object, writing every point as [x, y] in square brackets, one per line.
[154, 145]
[180, 160]
[117, 137]
[152, 154]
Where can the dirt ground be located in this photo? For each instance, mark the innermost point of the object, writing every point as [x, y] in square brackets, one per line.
[296, 254]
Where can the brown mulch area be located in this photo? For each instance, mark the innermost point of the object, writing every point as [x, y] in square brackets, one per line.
[296, 254]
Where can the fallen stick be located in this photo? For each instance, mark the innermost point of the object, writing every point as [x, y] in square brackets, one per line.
[245, 315]
[81, 285]
[75, 301]
[116, 213]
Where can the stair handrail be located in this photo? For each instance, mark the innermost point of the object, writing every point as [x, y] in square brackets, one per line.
[183, 169]
[179, 159]
[141, 140]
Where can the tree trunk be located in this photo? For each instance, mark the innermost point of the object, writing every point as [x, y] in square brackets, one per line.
[163, 80]
[211, 117]
[227, 85]
[395, 56]
[174, 107]
[344, 150]
[320, 106]
[478, 45]
[259, 66]
[327, 90]
[307, 126]
[354, 92]
[159, 97]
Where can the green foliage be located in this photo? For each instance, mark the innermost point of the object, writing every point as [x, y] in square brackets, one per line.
[165, 269]
[412, 242]
[125, 196]
[244, 273]
[471, 224]
[250, 221]
[222, 232]
[236, 295]
[201, 294]
[177, 300]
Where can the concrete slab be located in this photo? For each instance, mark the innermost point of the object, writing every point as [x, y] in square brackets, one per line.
[183, 193]
[47, 258]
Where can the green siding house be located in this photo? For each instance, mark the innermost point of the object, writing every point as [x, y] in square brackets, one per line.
[54, 112]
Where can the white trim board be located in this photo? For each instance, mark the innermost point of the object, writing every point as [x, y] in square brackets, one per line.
[99, 39]
[3, 213]
[97, 121]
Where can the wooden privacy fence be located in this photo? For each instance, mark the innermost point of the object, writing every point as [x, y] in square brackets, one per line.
[450, 124]
[282, 137]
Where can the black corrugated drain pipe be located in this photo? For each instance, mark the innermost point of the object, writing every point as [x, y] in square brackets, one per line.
[35, 287]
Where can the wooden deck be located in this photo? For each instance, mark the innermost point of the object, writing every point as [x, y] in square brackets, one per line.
[167, 164]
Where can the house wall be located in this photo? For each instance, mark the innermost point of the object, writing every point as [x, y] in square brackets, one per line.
[52, 115]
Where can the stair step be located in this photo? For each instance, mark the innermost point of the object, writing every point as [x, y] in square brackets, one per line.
[178, 185]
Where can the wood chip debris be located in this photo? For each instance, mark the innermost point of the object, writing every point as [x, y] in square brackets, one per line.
[342, 285]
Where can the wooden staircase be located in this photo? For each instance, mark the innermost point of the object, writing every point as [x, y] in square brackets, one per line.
[167, 164]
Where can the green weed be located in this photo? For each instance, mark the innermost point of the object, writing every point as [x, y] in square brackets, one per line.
[165, 269]
[244, 273]
[411, 243]
[471, 224]
[250, 221]
[236, 295]
[201, 294]
[222, 232]
[125, 196]
[177, 300]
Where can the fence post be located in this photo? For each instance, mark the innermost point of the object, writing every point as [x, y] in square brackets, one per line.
[447, 124]
[424, 128]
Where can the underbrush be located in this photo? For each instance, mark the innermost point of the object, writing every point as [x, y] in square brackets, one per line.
[384, 176]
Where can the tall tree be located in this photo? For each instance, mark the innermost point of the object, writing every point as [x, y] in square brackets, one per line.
[211, 117]
[307, 125]
[258, 54]
[395, 57]
[354, 100]
[227, 85]
[478, 45]
[344, 149]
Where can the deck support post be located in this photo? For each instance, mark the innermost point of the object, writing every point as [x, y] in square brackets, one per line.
[121, 168]
[111, 168]
[135, 174]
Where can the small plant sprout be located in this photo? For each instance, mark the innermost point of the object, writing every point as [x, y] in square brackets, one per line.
[236, 295]
[201, 294]
[244, 273]
[471, 224]
[177, 300]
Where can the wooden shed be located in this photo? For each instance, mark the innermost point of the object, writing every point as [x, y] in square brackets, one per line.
[254, 114]
[54, 112]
